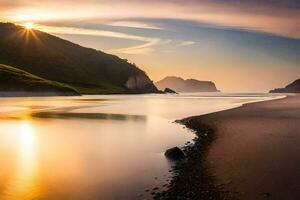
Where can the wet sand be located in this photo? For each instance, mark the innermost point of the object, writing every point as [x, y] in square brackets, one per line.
[253, 153]
[257, 151]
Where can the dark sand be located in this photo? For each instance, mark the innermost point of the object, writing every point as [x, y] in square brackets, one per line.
[253, 150]
[257, 150]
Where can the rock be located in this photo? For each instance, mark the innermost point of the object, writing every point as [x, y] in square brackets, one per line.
[174, 153]
[291, 88]
[170, 91]
[188, 85]
[141, 83]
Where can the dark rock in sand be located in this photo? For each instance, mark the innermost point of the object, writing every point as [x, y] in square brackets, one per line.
[170, 91]
[174, 153]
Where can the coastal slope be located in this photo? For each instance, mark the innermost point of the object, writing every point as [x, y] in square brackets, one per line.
[294, 87]
[15, 82]
[88, 70]
[189, 85]
[255, 154]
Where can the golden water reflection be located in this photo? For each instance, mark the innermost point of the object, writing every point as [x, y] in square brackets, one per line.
[24, 184]
[92, 147]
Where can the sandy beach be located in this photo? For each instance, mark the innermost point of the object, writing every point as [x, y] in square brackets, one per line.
[252, 152]
[257, 149]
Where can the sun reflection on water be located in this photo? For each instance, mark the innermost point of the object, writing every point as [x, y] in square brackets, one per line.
[23, 184]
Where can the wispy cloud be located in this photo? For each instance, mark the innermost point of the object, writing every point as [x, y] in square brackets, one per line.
[144, 48]
[134, 24]
[140, 49]
[186, 43]
[270, 16]
[91, 32]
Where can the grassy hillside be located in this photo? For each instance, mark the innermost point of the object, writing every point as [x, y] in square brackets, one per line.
[16, 82]
[50, 57]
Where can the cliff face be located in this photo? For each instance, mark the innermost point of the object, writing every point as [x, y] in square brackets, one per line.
[139, 83]
[291, 88]
[47, 56]
[190, 85]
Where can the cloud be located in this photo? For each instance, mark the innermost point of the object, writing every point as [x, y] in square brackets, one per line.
[270, 16]
[91, 32]
[140, 49]
[186, 43]
[278, 17]
[144, 48]
[134, 24]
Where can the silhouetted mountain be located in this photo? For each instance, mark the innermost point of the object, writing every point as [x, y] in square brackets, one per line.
[189, 85]
[291, 88]
[16, 82]
[52, 58]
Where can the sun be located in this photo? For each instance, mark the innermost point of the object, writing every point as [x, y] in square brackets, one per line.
[28, 25]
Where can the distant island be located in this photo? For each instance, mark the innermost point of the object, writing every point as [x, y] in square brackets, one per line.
[291, 88]
[86, 70]
[189, 85]
[15, 82]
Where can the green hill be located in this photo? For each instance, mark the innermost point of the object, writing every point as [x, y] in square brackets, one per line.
[16, 82]
[52, 58]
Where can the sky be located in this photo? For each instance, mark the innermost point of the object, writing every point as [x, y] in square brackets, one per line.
[241, 45]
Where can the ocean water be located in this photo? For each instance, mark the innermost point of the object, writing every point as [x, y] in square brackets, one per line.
[108, 147]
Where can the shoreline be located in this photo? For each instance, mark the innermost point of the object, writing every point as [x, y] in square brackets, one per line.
[192, 178]
[196, 177]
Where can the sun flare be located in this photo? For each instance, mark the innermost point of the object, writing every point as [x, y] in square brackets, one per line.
[28, 25]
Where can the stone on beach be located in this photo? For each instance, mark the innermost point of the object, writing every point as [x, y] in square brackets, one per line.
[170, 91]
[174, 153]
